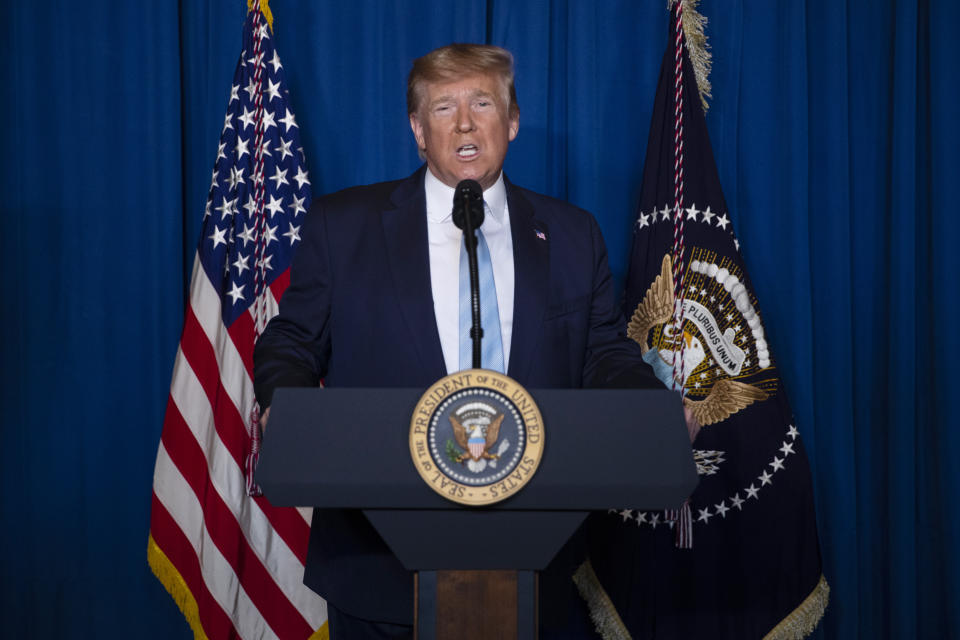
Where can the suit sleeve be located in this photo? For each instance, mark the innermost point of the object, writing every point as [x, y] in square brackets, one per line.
[294, 349]
[613, 360]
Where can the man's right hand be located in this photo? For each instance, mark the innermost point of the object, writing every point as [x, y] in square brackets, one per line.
[263, 420]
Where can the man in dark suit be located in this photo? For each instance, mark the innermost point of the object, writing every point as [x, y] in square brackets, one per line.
[374, 300]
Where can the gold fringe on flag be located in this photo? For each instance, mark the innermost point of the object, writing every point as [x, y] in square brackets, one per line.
[173, 582]
[798, 625]
[171, 579]
[804, 619]
[265, 10]
[604, 615]
[697, 47]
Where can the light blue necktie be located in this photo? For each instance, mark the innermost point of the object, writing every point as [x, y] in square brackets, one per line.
[491, 347]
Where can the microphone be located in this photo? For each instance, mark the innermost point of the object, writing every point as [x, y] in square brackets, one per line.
[468, 196]
[468, 216]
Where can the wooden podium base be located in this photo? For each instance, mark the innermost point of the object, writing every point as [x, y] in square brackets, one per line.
[475, 605]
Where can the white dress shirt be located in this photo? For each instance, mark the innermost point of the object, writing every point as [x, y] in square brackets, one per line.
[445, 240]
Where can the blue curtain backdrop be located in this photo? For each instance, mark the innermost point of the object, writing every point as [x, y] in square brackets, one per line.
[834, 128]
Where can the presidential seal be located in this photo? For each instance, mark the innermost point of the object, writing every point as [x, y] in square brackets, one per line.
[476, 437]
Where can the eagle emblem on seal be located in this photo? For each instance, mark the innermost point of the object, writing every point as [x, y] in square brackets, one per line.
[474, 441]
[721, 396]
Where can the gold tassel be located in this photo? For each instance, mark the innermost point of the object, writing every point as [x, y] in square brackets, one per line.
[804, 619]
[697, 47]
[265, 10]
[605, 618]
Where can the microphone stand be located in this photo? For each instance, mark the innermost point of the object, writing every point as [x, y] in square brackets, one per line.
[470, 242]
[467, 195]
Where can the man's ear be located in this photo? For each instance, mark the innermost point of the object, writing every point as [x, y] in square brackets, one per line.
[417, 129]
[514, 126]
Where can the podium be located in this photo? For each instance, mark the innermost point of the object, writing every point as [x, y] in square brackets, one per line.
[604, 448]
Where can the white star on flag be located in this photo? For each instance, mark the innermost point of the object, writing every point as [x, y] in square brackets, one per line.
[227, 207]
[280, 177]
[218, 237]
[247, 234]
[247, 118]
[284, 148]
[236, 293]
[273, 90]
[301, 178]
[289, 121]
[274, 206]
[293, 233]
[271, 235]
[241, 263]
[236, 177]
[268, 120]
[297, 205]
[242, 147]
[250, 205]
[251, 89]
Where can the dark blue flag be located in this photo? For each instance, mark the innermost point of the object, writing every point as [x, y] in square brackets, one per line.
[741, 558]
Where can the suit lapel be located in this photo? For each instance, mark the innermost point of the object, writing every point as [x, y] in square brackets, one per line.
[531, 264]
[405, 228]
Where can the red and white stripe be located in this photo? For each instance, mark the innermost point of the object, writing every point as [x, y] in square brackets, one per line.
[240, 558]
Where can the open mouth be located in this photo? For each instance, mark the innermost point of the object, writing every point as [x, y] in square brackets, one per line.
[467, 151]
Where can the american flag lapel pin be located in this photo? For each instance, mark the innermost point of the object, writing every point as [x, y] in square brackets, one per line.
[540, 234]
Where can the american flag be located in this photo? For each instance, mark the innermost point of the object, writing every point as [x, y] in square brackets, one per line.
[231, 561]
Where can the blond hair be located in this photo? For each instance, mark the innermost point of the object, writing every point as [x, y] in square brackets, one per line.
[455, 61]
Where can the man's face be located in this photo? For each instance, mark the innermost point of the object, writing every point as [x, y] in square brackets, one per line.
[463, 128]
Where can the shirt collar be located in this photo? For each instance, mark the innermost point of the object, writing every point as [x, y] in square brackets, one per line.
[440, 198]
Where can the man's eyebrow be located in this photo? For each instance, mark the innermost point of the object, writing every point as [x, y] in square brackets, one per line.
[444, 98]
[448, 97]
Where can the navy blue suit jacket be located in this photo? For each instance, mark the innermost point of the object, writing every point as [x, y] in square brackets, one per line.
[359, 313]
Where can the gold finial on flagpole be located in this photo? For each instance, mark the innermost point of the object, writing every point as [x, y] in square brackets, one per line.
[264, 9]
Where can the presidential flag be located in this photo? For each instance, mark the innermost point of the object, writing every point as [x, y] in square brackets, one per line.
[740, 559]
[231, 561]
